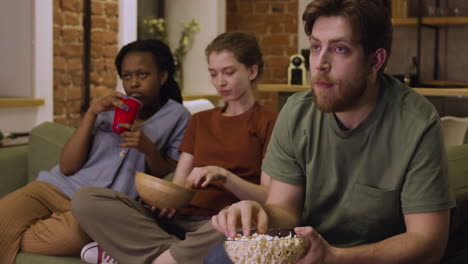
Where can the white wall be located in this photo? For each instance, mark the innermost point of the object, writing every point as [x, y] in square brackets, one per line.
[302, 39]
[127, 27]
[16, 62]
[211, 14]
[38, 47]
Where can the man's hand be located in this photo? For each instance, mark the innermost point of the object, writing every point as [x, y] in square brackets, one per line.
[319, 249]
[202, 176]
[245, 213]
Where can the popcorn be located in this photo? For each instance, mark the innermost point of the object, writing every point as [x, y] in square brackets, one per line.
[259, 248]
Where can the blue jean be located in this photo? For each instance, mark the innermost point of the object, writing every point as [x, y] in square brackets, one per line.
[217, 255]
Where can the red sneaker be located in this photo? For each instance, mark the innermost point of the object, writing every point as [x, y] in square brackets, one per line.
[92, 253]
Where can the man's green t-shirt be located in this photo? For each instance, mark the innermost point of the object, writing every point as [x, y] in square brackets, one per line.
[359, 183]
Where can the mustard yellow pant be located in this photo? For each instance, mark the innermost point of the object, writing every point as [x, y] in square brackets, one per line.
[37, 219]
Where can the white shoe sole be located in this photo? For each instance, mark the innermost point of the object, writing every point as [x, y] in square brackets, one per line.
[86, 249]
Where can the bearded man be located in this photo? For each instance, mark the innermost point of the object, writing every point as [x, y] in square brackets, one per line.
[359, 159]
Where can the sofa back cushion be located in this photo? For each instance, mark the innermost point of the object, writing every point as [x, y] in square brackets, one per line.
[13, 162]
[458, 168]
[45, 145]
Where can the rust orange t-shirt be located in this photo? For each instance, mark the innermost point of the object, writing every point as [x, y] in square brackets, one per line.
[235, 143]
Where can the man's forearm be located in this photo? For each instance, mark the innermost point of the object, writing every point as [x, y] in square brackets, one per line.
[284, 204]
[280, 217]
[411, 248]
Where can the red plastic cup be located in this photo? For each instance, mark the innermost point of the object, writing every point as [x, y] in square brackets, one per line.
[124, 116]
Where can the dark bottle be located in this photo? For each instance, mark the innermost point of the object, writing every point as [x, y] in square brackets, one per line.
[411, 73]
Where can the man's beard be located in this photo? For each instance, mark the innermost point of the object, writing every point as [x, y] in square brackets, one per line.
[345, 96]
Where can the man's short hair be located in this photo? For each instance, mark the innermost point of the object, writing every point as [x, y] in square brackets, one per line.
[370, 19]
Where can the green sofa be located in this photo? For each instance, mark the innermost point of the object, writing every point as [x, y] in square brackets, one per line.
[21, 164]
[458, 168]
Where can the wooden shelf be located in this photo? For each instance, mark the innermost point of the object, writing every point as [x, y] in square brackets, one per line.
[436, 21]
[285, 88]
[20, 102]
[443, 83]
[411, 21]
[450, 92]
[282, 88]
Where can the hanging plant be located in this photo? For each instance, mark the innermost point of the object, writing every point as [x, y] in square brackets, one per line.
[157, 28]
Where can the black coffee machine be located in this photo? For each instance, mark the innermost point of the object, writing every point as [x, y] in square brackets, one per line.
[298, 68]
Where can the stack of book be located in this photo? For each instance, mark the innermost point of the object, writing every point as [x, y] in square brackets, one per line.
[13, 139]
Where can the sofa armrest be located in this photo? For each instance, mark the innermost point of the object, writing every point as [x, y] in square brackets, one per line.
[13, 168]
[458, 168]
[45, 145]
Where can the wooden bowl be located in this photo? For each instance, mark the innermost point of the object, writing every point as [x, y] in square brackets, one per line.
[161, 193]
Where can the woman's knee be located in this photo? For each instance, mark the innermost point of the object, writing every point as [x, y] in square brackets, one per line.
[84, 204]
[92, 202]
[59, 234]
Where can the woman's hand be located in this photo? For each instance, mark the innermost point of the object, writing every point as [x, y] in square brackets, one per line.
[202, 176]
[165, 212]
[136, 138]
[107, 103]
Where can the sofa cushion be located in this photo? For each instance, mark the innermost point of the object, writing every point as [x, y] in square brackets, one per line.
[458, 168]
[13, 168]
[26, 258]
[45, 145]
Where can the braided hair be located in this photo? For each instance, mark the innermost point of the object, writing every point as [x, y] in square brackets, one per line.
[162, 56]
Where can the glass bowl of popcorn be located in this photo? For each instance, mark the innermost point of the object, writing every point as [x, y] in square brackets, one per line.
[275, 246]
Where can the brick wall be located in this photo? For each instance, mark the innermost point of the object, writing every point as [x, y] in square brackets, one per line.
[68, 55]
[274, 22]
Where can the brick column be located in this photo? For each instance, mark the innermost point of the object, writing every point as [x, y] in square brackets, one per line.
[274, 22]
[68, 55]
